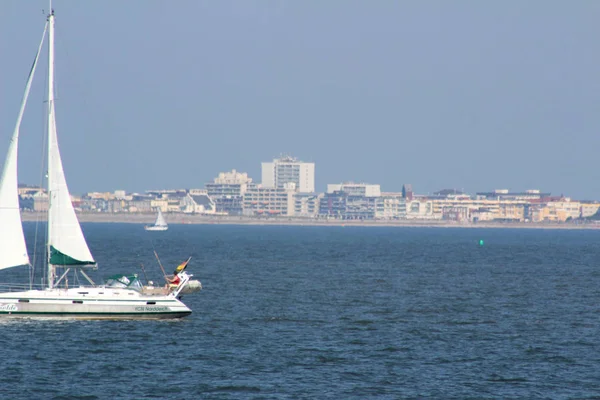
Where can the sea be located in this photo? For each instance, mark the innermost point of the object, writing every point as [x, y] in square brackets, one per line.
[299, 312]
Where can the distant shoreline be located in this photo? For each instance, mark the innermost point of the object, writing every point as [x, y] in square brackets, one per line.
[149, 218]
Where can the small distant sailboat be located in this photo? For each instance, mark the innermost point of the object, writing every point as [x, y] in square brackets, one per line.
[159, 225]
[122, 297]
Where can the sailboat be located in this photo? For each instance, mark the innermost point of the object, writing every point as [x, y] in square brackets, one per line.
[122, 297]
[159, 225]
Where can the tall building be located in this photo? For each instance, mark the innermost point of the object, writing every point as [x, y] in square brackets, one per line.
[289, 170]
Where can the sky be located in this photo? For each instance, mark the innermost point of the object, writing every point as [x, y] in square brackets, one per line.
[466, 94]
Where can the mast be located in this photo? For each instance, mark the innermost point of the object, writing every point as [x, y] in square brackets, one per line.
[51, 124]
[67, 247]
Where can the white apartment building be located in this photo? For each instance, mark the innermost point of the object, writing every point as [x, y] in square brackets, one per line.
[589, 209]
[260, 200]
[421, 209]
[287, 169]
[198, 203]
[464, 208]
[227, 191]
[162, 204]
[229, 184]
[557, 211]
[307, 204]
[390, 206]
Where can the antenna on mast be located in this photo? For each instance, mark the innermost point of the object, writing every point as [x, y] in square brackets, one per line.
[51, 12]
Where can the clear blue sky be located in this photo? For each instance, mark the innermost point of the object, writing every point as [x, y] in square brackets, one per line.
[465, 94]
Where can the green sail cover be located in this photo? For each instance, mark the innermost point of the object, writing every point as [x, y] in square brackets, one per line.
[58, 258]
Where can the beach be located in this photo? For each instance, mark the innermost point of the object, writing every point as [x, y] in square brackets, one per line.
[180, 218]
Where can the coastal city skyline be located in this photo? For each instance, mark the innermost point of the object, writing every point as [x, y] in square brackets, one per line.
[287, 189]
[259, 179]
[466, 95]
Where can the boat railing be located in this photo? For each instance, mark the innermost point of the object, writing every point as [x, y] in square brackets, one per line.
[18, 287]
[21, 287]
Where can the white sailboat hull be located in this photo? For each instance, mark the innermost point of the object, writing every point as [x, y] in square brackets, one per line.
[156, 228]
[159, 225]
[90, 303]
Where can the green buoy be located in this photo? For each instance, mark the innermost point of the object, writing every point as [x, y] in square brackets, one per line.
[481, 242]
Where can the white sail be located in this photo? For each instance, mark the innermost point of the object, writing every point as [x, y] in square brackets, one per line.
[160, 220]
[13, 250]
[66, 243]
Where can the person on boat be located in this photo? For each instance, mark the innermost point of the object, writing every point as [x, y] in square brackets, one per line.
[173, 282]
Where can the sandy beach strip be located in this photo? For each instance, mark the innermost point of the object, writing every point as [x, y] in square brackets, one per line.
[177, 218]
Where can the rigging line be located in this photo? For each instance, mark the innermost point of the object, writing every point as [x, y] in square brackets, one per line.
[35, 238]
[159, 263]
[158, 259]
[156, 255]
[144, 271]
[41, 181]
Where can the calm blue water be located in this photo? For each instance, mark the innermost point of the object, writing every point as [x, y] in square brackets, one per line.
[331, 312]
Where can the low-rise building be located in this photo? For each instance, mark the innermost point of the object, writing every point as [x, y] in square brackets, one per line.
[26, 190]
[390, 206]
[99, 195]
[589, 208]
[421, 209]
[140, 203]
[355, 189]
[307, 204]
[350, 201]
[116, 206]
[161, 204]
[557, 211]
[40, 201]
[505, 194]
[197, 204]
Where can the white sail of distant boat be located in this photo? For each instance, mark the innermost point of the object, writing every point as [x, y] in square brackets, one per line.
[159, 225]
[123, 297]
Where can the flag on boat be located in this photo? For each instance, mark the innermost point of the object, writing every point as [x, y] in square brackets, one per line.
[181, 266]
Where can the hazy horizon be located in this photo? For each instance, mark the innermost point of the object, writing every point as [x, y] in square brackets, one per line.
[469, 95]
